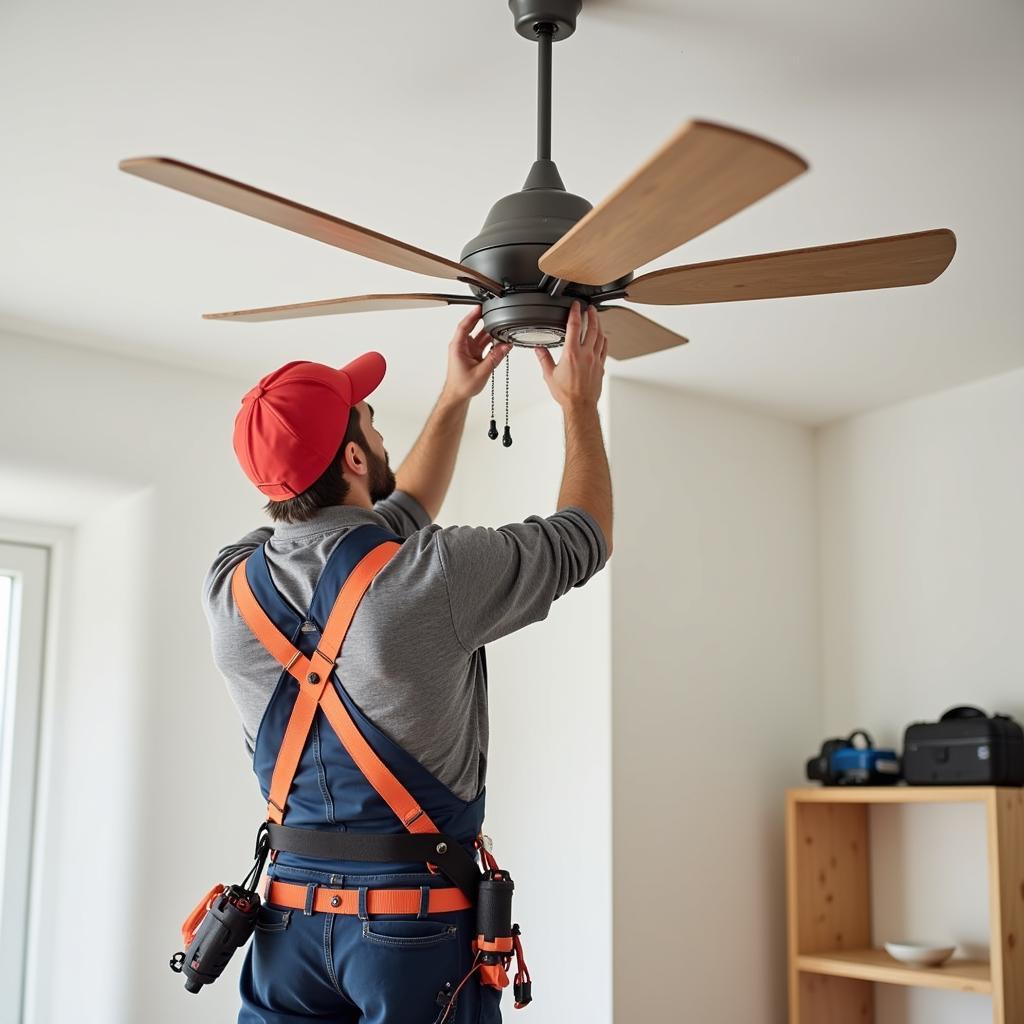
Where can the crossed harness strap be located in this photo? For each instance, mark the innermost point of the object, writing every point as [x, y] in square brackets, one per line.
[313, 676]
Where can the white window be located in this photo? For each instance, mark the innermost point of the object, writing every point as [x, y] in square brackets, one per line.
[23, 579]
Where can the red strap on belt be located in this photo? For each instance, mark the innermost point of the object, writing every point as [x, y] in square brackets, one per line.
[316, 691]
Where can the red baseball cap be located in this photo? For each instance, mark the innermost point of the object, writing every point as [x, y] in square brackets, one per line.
[291, 424]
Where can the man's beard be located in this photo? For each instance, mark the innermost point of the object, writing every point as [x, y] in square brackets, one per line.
[381, 481]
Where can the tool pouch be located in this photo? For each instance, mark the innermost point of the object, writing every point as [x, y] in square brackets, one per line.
[222, 921]
[497, 938]
[219, 925]
[494, 927]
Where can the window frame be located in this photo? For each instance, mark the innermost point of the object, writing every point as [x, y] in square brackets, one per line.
[22, 722]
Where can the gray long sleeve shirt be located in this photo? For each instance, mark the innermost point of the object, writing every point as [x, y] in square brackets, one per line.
[412, 660]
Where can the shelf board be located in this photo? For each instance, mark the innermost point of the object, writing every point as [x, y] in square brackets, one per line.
[894, 794]
[877, 965]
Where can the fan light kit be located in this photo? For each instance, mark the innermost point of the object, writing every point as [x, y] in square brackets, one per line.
[542, 248]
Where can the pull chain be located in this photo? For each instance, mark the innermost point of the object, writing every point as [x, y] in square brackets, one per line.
[492, 430]
[506, 438]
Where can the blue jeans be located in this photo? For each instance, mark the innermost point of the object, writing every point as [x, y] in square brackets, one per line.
[347, 969]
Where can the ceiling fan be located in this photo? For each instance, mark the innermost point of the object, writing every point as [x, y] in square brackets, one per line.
[542, 247]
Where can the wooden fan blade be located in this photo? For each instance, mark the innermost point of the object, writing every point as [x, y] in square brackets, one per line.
[350, 304]
[630, 334]
[702, 176]
[893, 262]
[254, 202]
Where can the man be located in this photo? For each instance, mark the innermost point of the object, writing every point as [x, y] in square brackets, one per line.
[393, 744]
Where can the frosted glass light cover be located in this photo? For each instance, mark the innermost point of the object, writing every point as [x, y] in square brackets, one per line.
[536, 336]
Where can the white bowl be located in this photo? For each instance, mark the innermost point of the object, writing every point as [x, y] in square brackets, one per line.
[919, 954]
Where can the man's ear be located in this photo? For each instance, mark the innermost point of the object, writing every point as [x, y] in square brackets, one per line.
[354, 460]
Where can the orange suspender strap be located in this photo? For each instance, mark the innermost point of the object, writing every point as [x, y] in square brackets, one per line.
[313, 676]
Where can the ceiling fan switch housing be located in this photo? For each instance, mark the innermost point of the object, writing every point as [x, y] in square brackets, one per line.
[528, 319]
[561, 14]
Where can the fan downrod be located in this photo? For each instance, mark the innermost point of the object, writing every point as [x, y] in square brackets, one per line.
[533, 309]
[559, 14]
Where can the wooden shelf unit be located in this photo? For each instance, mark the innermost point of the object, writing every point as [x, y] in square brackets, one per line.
[832, 967]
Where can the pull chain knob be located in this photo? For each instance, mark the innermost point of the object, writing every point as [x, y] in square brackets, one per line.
[492, 430]
[506, 438]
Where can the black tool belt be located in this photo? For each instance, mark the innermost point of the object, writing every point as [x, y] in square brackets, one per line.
[448, 855]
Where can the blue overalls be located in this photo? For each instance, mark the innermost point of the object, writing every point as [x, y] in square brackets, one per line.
[330, 954]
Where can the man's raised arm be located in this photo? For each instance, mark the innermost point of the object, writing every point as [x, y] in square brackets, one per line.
[427, 470]
[575, 384]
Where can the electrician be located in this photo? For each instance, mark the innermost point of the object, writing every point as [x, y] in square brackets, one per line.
[351, 635]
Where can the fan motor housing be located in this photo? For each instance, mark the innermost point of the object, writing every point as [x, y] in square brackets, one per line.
[518, 230]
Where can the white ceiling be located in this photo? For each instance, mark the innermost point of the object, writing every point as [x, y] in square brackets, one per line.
[413, 117]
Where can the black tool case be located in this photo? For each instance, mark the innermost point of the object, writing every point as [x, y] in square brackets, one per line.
[964, 748]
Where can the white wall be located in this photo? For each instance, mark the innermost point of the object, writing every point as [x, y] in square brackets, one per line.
[715, 699]
[922, 559]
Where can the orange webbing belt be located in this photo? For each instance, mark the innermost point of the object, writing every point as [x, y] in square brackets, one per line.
[315, 691]
[378, 901]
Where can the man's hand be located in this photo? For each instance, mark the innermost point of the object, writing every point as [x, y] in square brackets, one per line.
[468, 367]
[577, 377]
